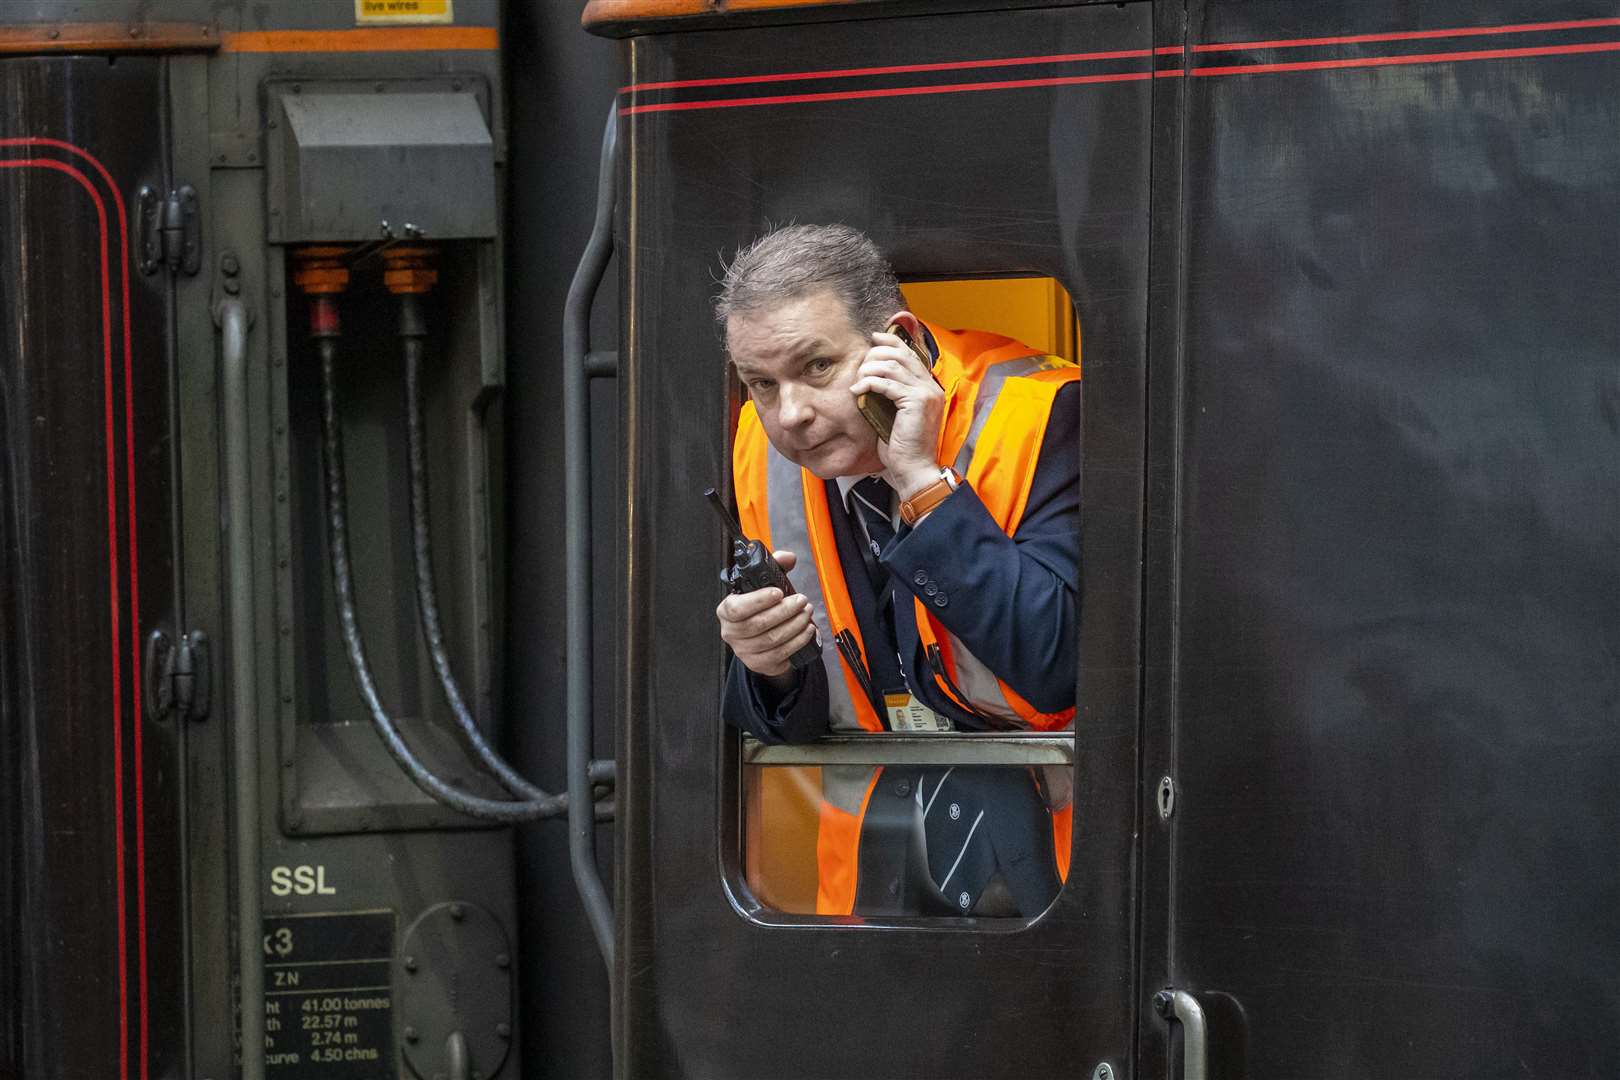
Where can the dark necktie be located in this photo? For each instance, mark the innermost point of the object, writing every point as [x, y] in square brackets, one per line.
[871, 501]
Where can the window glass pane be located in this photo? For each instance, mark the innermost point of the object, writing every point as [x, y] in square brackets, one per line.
[987, 835]
[986, 841]
[782, 809]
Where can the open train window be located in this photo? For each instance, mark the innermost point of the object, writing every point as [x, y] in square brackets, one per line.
[960, 821]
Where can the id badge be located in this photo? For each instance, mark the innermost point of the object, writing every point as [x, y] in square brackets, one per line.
[906, 713]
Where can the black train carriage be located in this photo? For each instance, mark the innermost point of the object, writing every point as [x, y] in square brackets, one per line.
[1345, 279]
[1347, 282]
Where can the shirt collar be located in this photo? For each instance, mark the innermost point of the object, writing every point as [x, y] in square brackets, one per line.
[847, 482]
[846, 485]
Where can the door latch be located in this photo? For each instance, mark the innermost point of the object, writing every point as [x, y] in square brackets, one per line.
[177, 676]
[171, 231]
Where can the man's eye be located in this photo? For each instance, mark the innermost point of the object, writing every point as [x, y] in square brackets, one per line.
[761, 386]
[819, 366]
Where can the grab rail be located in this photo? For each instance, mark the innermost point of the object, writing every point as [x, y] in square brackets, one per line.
[232, 316]
[954, 748]
[577, 369]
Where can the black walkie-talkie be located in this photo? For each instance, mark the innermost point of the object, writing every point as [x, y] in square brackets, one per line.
[753, 567]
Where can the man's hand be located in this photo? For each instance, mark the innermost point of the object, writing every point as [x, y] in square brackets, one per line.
[892, 369]
[765, 628]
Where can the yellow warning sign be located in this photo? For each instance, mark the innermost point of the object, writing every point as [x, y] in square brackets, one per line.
[395, 12]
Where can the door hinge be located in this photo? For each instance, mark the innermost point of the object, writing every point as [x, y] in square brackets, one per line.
[177, 676]
[171, 231]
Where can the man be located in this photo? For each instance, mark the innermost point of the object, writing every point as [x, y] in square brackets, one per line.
[938, 568]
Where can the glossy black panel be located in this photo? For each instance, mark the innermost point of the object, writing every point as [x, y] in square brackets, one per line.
[1400, 595]
[89, 919]
[1050, 179]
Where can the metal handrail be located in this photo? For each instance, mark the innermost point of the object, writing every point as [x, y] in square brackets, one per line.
[943, 748]
[232, 316]
[577, 513]
[1178, 1006]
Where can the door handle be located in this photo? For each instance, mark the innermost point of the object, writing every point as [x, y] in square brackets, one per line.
[1181, 1007]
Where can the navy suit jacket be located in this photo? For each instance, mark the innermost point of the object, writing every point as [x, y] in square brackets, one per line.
[1014, 601]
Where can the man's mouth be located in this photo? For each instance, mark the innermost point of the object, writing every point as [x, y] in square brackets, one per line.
[810, 450]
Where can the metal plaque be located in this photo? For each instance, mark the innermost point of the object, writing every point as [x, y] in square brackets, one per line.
[328, 998]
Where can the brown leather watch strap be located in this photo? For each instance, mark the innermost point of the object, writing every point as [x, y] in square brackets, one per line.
[913, 509]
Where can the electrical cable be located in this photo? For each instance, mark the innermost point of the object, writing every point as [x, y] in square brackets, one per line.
[412, 332]
[342, 585]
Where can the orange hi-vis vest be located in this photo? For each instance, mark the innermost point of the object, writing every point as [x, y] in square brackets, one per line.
[998, 401]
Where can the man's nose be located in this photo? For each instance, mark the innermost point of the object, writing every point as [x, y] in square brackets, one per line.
[793, 408]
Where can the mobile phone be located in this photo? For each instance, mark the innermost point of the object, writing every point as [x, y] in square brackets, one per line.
[879, 410]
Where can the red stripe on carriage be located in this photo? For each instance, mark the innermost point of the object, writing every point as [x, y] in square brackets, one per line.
[900, 69]
[1169, 50]
[1133, 76]
[1415, 58]
[1409, 35]
[112, 558]
[893, 91]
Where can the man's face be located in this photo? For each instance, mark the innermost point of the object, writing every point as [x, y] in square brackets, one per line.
[798, 361]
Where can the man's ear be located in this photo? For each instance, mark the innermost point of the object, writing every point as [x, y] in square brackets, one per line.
[910, 322]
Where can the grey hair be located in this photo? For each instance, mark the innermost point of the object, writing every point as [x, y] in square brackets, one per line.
[796, 260]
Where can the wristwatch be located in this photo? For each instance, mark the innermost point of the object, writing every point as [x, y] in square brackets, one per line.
[913, 509]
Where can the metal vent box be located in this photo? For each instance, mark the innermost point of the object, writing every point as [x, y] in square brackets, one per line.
[342, 163]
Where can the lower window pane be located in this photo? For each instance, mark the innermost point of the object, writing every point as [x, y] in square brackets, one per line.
[985, 841]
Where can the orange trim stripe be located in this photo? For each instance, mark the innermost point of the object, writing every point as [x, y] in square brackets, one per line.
[601, 12]
[368, 39]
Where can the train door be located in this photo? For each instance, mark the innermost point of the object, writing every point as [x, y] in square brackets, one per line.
[973, 145]
[91, 781]
[1385, 585]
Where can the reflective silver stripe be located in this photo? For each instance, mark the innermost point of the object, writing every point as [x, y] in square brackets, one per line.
[980, 685]
[989, 389]
[976, 681]
[790, 531]
[845, 785]
[1059, 785]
